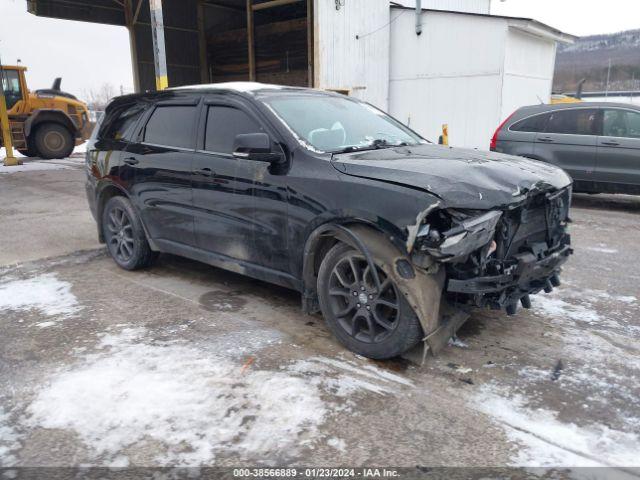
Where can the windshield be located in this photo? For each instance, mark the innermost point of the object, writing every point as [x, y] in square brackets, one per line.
[339, 124]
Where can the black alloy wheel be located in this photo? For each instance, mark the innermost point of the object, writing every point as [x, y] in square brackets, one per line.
[364, 311]
[119, 234]
[375, 321]
[124, 235]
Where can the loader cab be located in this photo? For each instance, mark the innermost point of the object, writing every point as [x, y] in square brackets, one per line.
[14, 87]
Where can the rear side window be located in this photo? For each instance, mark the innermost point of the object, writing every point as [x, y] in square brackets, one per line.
[582, 121]
[534, 124]
[223, 124]
[171, 126]
[122, 123]
[621, 123]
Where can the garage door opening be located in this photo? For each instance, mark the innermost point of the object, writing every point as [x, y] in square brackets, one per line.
[265, 41]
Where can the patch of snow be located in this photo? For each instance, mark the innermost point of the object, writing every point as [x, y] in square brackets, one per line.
[602, 250]
[43, 292]
[547, 442]
[33, 166]
[45, 324]
[557, 308]
[9, 440]
[174, 394]
[198, 402]
[456, 342]
[337, 443]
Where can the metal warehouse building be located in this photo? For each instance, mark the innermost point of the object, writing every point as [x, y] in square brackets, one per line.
[450, 62]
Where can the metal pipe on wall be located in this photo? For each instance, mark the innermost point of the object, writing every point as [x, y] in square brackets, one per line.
[418, 17]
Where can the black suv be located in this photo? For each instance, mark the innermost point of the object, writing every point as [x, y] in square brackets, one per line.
[391, 237]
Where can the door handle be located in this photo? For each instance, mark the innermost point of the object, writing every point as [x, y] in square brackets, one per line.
[207, 172]
[131, 161]
[610, 143]
[546, 139]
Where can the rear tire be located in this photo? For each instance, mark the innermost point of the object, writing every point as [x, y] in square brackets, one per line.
[53, 140]
[125, 238]
[375, 324]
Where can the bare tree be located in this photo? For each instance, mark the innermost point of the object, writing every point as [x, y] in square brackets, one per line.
[98, 98]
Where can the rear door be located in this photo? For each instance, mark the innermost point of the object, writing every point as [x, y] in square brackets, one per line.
[161, 161]
[569, 141]
[619, 150]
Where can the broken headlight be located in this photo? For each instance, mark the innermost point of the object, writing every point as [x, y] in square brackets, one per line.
[451, 235]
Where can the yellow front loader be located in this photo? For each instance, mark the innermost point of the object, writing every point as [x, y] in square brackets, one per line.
[43, 123]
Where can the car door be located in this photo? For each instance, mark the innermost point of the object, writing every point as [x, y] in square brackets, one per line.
[161, 160]
[618, 163]
[569, 141]
[239, 211]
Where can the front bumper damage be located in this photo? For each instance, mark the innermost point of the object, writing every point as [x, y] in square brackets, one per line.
[498, 258]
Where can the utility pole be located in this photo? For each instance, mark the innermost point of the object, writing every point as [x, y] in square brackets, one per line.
[159, 50]
[10, 159]
[606, 92]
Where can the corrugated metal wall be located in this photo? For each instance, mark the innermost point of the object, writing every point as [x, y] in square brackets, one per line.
[352, 48]
[528, 71]
[451, 74]
[467, 71]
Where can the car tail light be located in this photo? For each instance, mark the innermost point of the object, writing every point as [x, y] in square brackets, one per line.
[494, 139]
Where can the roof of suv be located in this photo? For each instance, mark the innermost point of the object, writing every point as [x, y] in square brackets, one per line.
[245, 88]
[545, 107]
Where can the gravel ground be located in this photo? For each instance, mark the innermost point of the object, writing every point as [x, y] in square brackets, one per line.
[185, 364]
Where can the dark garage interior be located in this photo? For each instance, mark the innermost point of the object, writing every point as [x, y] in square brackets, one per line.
[208, 41]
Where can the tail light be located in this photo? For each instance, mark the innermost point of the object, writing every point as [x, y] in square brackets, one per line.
[494, 139]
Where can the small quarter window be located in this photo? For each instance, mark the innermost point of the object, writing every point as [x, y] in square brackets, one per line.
[534, 124]
[223, 124]
[171, 125]
[122, 123]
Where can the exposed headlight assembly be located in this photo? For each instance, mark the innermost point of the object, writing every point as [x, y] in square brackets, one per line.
[465, 235]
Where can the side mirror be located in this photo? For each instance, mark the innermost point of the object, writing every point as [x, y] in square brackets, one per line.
[255, 146]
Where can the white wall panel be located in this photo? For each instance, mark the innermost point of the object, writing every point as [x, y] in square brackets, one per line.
[528, 76]
[353, 48]
[439, 77]
[467, 104]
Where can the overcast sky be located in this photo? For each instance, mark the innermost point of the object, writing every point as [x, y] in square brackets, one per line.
[577, 17]
[87, 55]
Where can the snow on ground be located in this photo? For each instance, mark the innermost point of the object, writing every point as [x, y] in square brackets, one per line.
[46, 293]
[551, 443]
[8, 440]
[36, 164]
[198, 403]
[599, 359]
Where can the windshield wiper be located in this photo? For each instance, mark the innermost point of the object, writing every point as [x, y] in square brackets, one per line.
[376, 144]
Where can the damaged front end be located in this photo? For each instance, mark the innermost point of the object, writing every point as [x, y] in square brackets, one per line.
[498, 258]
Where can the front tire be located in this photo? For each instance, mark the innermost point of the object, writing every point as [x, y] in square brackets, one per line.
[53, 140]
[375, 323]
[124, 235]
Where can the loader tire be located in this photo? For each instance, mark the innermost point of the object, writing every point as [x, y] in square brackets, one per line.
[53, 140]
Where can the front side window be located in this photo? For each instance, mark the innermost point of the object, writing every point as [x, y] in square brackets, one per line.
[11, 87]
[333, 124]
[223, 124]
[171, 126]
[583, 121]
[621, 123]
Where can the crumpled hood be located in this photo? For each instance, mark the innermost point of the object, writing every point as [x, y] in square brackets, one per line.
[462, 178]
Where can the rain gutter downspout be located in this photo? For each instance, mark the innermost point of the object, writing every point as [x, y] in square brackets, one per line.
[418, 17]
